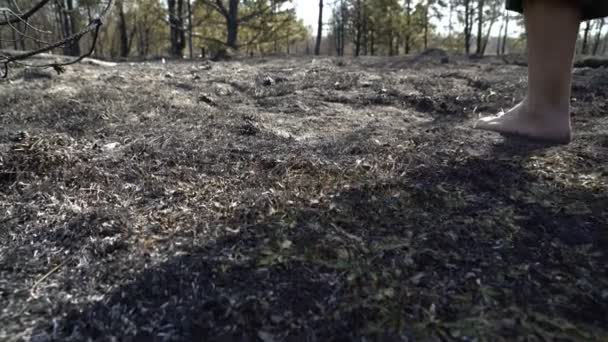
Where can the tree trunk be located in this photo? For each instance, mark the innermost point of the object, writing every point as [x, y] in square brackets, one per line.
[172, 25]
[122, 30]
[14, 36]
[467, 26]
[176, 29]
[288, 40]
[605, 44]
[342, 28]
[372, 46]
[358, 28]
[426, 26]
[408, 21]
[450, 16]
[586, 37]
[499, 38]
[319, 29]
[232, 24]
[487, 37]
[504, 37]
[190, 47]
[480, 5]
[365, 39]
[598, 36]
[22, 28]
[69, 22]
[181, 32]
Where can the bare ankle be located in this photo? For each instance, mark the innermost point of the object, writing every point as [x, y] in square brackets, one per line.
[547, 109]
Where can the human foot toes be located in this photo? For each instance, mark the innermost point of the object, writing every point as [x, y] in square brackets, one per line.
[551, 127]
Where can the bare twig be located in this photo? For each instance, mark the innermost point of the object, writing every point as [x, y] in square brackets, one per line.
[26, 15]
[93, 28]
[49, 273]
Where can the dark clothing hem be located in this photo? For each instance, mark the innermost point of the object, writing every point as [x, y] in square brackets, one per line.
[591, 9]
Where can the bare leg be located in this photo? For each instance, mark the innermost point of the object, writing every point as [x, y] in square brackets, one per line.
[544, 114]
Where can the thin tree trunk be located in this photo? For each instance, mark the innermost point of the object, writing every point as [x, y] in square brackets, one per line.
[190, 47]
[450, 16]
[181, 32]
[586, 37]
[372, 44]
[426, 26]
[479, 47]
[13, 33]
[74, 47]
[358, 28]
[487, 37]
[232, 23]
[122, 30]
[23, 28]
[14, 39]
[319, 29]
[342, 27]
[365, 39]
[176, 29]
[467, 26]
[288, 40]
[408, 21]
[506, 33]
[499, 38]
[598, 36]
[605, 44]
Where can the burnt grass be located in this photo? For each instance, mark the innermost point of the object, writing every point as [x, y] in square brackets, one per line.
[298, 200]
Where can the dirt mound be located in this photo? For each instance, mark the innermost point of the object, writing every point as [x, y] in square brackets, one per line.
[226, 54]
[432, 56]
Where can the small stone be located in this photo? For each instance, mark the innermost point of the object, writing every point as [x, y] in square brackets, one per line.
[207, 99]
[267, 81]
[109, 147]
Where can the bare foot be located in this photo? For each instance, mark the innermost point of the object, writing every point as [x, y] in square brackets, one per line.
[547, 126]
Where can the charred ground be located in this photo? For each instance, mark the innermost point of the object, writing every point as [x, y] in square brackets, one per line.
[297, 199]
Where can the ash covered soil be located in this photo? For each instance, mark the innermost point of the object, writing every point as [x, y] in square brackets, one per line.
[297, 199]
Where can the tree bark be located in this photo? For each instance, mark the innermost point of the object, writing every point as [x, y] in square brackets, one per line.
[605, 47]
[319, 29]
[358, 28]
[504, 37]
[499, 38]
[190, 47]
[468, 20]
[69, 22]
[480, 5]
[487, 37]
[598, 36]
[408, 21]
[122, 30]
[586, 38]
[176, 29]
[426, 26]
[372, 44]
[342, 27]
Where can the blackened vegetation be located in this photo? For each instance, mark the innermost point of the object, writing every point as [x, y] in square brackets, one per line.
[297, 200]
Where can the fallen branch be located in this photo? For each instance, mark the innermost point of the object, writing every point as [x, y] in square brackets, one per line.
[591, 62]
[49, 273]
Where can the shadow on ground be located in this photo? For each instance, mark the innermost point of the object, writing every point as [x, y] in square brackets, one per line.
[477, 248]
